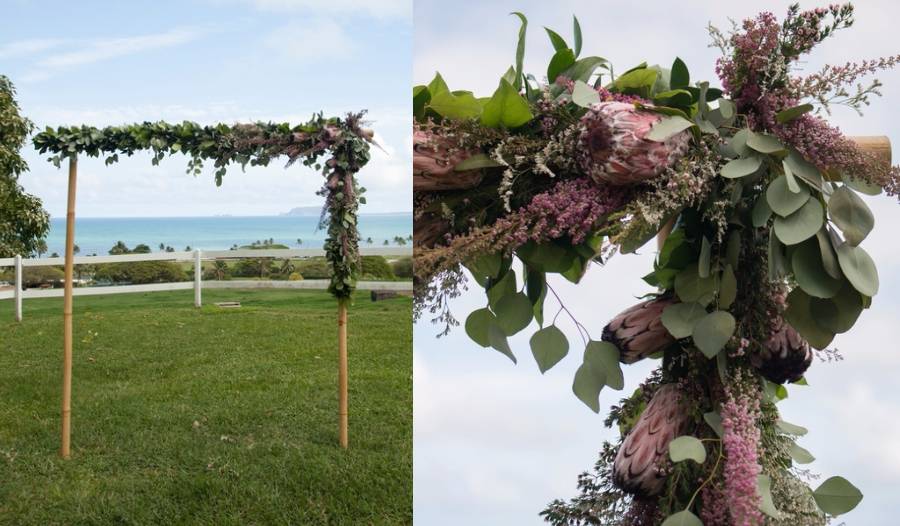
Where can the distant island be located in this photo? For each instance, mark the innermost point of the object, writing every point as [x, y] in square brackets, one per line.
[304, 211]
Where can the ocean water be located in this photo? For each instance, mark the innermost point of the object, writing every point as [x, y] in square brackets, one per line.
[98, 235]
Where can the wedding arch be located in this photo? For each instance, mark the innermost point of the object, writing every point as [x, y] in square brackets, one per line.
[755, 200]
[338, 147]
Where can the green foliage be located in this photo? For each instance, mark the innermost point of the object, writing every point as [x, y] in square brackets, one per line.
[402, 268]
[254, 144]
[23, 221]
[377, 268]
[138, 272]
[41, 276]
[181, 412]
[255, 268]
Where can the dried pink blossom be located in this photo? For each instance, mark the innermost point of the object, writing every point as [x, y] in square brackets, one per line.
[740, 413]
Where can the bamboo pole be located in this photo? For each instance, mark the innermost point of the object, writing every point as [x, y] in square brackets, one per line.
[64, 451]
[342, 374]
[877, 145]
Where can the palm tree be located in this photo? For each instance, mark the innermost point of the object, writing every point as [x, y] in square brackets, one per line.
[162, 247]
[76, 249]
[286, 268]
[220, 269]
[386, 242]
[187, 248]
[369, 240]
[299, 242]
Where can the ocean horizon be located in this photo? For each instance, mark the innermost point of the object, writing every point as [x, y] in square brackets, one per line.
[96, 235]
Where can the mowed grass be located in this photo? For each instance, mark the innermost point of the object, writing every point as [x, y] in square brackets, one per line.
[206, 416]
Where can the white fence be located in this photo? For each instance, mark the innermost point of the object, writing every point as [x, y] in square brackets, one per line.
[197, 256]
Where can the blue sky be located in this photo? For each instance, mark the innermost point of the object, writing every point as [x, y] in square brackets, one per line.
[106, 63]
[494, 442]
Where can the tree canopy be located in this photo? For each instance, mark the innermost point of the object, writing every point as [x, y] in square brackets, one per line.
[23, 221]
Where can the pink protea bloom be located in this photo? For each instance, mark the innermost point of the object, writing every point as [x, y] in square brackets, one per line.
[638, 331]
[641, 459]
[432, 156]
[614, 148]
[785, 356]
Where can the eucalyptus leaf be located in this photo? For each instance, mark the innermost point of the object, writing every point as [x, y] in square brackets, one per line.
[851, 214]
[584, 95]
[829, 258]
[476, 162]
[741, 167]
[790, 429]
[782, 200]
[690, 287]
[801, 455]
[764, 490]
[837, 314]
[703, 262]
[859, 268]
[837, 496]
[714, 420]
[679, 318]
[800, 316]
[764, 143]
[728, 288]
[761, 212]
[514, 313]
[802, 224]
[498, 341]
[682, 518]
[667, 127]
[810, 273]
[477, 324]
[687, 447]
[549, 345]
[713, 331]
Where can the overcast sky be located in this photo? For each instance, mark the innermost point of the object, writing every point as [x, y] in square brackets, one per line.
[495, 442]
[106, 63]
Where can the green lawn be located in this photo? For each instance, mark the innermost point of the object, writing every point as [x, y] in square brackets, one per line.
[206, 416]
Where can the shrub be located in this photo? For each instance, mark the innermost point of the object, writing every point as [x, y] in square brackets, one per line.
[403, 268]
[313, 268]
[37, 276]
[254, 268]
[295, 276]
[140, 272]
[376, 267]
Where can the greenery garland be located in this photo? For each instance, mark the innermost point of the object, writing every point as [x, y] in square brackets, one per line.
[254, 144]
[763, 266]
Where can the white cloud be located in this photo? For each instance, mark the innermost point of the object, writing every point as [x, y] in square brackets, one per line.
[101, 49]
[311, 41]
[22, 48]
[382, 9]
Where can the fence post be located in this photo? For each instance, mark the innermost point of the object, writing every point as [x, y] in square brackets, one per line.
[198, 273]
[18, 283]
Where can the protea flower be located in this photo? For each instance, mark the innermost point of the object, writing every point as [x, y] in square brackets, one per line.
[642, 455]
[785, 357]
[613, 147]
[433, 162]
[638, 331]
